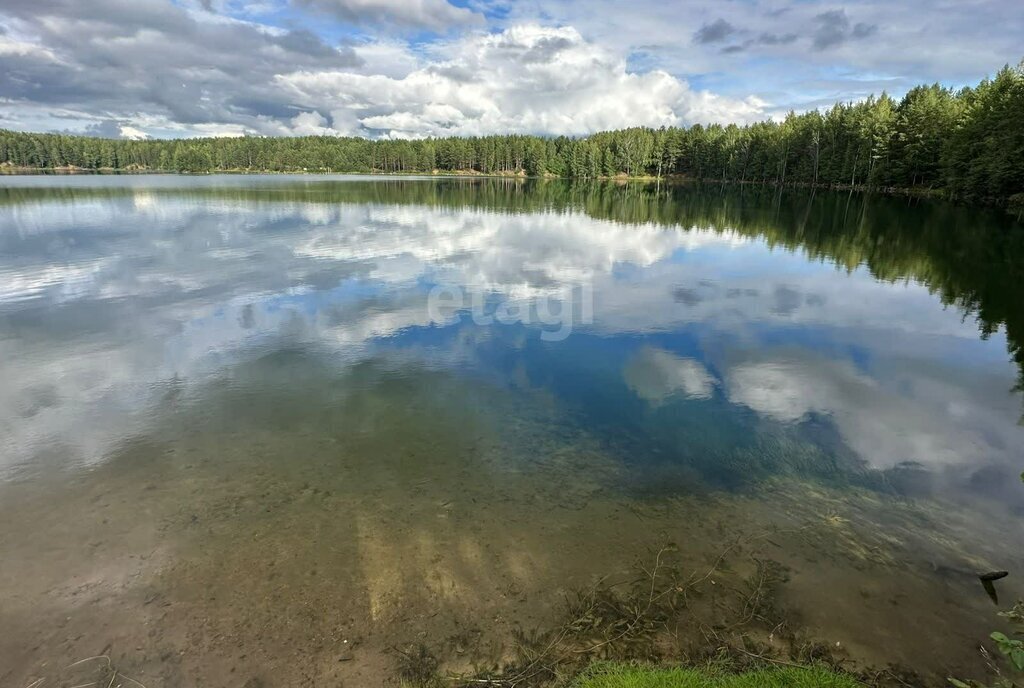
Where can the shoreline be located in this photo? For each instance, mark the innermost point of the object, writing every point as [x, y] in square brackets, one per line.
[909, 192]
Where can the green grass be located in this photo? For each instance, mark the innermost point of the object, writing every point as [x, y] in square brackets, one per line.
[637, 676]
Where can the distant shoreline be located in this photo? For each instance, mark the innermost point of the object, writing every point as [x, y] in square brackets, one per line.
[960, 145]
[914, 192]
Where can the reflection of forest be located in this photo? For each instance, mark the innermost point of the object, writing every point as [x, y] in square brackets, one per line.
[971, 258]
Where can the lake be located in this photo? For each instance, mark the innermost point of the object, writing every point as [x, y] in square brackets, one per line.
[279, 430]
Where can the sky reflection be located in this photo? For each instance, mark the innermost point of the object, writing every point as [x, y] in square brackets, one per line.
[106, 300]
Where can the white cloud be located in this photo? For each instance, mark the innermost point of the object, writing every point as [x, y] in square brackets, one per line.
[310, 124]
[904, 411]
[12, 46]
[130, 132]
[261, 278]
[343, 275]
[530, 254]
[770, 50]
[526, 79]
[64, 282]
[436, 15]
[386, 57]
[409, 68]
[655, 375]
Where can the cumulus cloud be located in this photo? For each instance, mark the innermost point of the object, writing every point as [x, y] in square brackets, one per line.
[776, 38]
[113, 129]
[714, 32]
[436, 15]
[528, 79]
[310, 124]
[151, 65]
[905, 412]
[206, 67]
[128, 67]
[881, 46]
[655, 375]
[834, 28]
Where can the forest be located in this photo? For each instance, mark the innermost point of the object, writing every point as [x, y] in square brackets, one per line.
[965, 144]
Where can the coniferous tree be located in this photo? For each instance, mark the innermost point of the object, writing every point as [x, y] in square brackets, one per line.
[969, 144]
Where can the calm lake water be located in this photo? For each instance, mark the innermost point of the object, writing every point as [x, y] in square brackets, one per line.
[264, 430]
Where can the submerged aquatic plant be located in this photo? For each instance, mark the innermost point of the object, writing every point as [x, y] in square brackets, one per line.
[724, 616]
[417, 665]
[1010, 648]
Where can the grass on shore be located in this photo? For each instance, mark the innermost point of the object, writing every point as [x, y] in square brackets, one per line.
[641, 676]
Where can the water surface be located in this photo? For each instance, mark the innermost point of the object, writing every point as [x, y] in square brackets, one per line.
[245, 429]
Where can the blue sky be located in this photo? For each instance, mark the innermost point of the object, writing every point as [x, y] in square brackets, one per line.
[413, 68]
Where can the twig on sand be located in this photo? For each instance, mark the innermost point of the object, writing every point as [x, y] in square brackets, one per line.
[89, 659]
[771, 659]
[129, 678]
[109, 667]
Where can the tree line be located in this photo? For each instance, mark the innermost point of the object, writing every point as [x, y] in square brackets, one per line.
[966, 144]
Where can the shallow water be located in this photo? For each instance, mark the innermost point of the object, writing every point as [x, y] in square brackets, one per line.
[266, 429]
